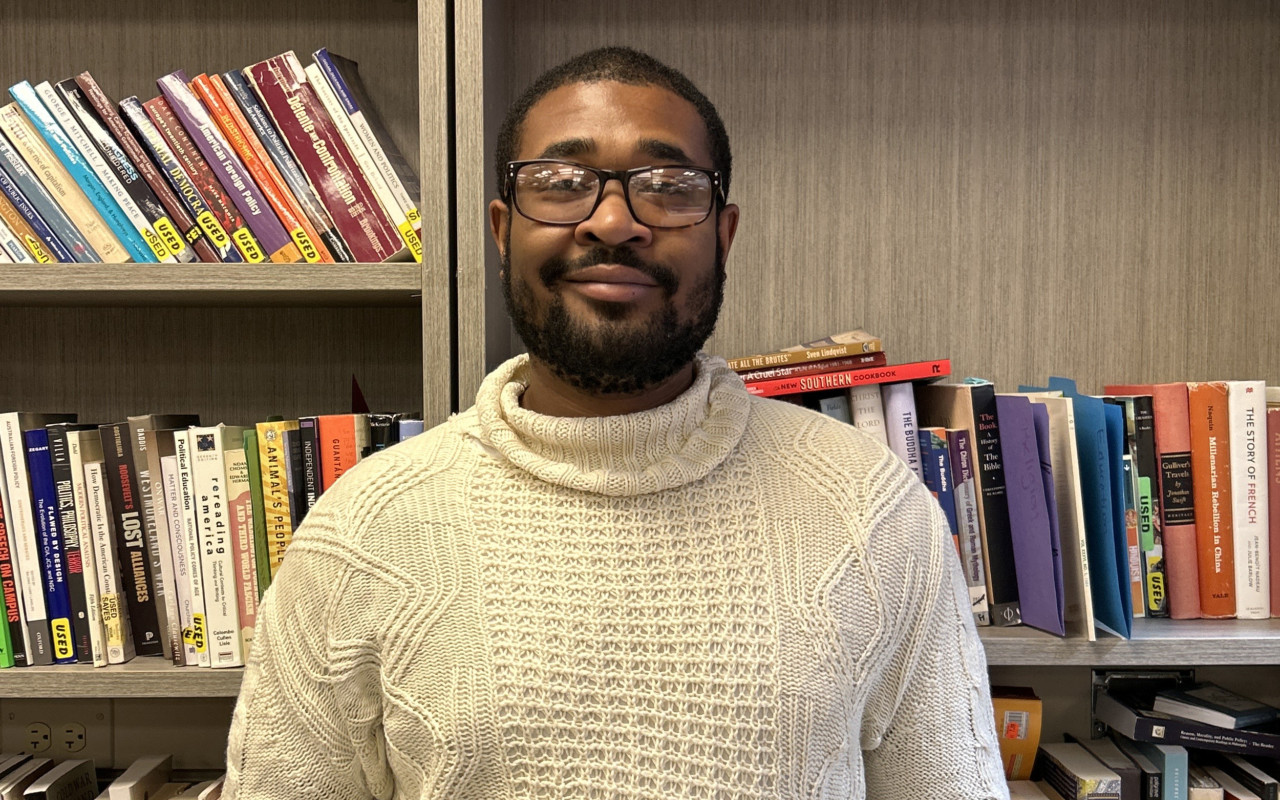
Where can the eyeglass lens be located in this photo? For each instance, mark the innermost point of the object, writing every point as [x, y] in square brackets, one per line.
[660, 197]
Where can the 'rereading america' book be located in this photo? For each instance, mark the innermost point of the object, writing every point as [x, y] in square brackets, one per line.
[127, 173]
[288, 97]
[229, 170]
[179, 215]
[204, 179]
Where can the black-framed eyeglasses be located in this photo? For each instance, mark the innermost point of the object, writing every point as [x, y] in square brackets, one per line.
[557, 192]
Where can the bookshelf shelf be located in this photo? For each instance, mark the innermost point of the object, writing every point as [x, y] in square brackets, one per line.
[207, 285]
[142, 677]
[1174, 643]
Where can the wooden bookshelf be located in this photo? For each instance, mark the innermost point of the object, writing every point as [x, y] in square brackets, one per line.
[1174, 643]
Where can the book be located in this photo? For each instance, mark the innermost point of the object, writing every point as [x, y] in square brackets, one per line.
[115, 605]
[289, 99]
[12, 250]
[168, 241]
[1019, 718]
[1246, 425]
[74, 779]
[1232, 789]
[935, 468]
[263, 233]
[1201, 785]
[309, 447]
[240, 519]
[195, 638]
[1150, 778]
[1273, 489]
[62, 474]
[141, 778]
[13, 651]
[1132, 714]
[849, 343]
[235, 129]
[1140, 429]
[1075, 774]
[859, 361]
[834, 405]
[24, 190]
[1214, 705]
[217, 549]
[894, 373]
[900, 425]
[14, 784]
[1113, 758]
[343, 440]
[1247, 774]
[286, 168]
[179, 214]
[177, 513]
[1211, 470]
[84, 445]
[261, 559]
[968, 522]
[61, 186]
[866, 409]
[26, 225]
[272, 460]
[390, 205]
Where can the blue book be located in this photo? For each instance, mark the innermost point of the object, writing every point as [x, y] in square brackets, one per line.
[410, 427]
[57, 593]
[47, 209]
[1171, 759]
[80, 172]
[51, 243]
[935, 466]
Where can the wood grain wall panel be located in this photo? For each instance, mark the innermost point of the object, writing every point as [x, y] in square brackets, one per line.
[436, 204]
[1081, 188]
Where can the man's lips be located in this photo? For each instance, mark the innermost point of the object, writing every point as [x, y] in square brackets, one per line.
[610, 283]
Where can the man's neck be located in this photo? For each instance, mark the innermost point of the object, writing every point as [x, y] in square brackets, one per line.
[549, 394]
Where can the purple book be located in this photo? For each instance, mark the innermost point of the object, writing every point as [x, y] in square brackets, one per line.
[1039, 586]
[1040, 416]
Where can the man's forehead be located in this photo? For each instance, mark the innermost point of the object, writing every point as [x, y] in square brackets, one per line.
[589, 118]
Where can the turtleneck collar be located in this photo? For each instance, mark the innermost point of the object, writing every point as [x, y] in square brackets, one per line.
[631, 454]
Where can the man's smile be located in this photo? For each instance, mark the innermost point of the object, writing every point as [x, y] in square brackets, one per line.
[611, 283]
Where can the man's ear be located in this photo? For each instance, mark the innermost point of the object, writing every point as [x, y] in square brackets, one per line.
[499, 220]
[727, 227]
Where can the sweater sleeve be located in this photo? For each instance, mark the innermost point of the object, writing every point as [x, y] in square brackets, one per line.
[305, 722]
[935, 736]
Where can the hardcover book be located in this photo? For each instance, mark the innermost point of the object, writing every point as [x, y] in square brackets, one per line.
[343, 441]
[1247, 426]
[849, 343]
[894, 373]
[1211, 469]
[1214, 705]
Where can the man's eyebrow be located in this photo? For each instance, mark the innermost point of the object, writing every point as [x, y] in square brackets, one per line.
[568, 148]
[666, 151]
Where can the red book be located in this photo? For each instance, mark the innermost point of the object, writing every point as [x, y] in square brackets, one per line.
[320, 151]
[1211, 479]
[342, 438]
[895, 373]
[1177, 499]
[860, 361]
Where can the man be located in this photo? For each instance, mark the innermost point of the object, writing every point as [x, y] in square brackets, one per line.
[618, 575]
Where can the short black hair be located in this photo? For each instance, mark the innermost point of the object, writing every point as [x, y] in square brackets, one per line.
[624, 65]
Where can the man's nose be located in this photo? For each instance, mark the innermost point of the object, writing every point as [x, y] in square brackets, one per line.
[612, 223]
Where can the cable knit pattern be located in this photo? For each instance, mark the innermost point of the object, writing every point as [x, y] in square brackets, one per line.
[724, 597]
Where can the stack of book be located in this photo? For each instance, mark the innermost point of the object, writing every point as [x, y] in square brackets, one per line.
[1148, 500]
[157, 536]
[276, 162]
[147, 778]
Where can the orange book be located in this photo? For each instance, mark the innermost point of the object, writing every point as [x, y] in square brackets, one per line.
[223, 110]
[1177, 498]
[1211, 477]
[343, 440]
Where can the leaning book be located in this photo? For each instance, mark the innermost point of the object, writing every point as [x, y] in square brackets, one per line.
[1132, 715]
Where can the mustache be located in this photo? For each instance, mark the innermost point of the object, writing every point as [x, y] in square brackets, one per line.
[555, 269]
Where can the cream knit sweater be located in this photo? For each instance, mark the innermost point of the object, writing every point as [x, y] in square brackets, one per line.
[724, 597]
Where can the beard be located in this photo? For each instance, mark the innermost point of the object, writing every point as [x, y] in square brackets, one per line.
[613, 355]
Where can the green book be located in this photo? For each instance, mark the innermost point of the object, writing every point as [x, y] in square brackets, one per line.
[259, 518]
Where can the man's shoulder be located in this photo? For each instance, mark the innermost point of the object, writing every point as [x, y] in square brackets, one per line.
[789, 428]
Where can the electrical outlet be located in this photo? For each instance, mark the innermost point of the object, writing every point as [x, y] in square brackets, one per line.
[59, 728]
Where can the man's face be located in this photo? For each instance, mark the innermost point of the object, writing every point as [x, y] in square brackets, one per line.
[609, 304]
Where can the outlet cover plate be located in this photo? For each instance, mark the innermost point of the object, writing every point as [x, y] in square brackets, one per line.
[96, 716]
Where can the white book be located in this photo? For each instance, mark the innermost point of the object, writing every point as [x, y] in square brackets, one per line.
[901, 427]
[115, 607]
[142, 778]
[11, 249]
[867, 410]
[75, 779]
[1025, 790]
[14, 785]
[1230, 786]
[1247, 427]
[964, 489]
[195, 573]
[399, 218]
[82, 444]
[217, 550]
[1077, 592]
[178, 549]
[99, 165]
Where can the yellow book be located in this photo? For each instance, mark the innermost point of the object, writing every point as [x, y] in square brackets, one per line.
[59, 183]
[273, 460]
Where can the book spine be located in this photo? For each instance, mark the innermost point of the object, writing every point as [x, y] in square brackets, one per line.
[1247, 409]
[88, 554]
[381, 144]
[273, 458]
[293, 476]
[1178, 499]
[1273, 498]
[60, 185]
[278, 157]
[396, 210]
[155, 222]
[261, 558]
[52, 558]
[259, 220]
[138, 236]
[309, 442]
[1151, 524]
[238, 135]
[19, 221]
[197, 637]
[115, 604]
[866, 408]
[131, 543]
[1211, 467]
[290, 100]
[204, 181]
[24, 546]
[12, 249]
[181, 558]
[211, 232]
[217, 556]
[997, 537]
[338, 451]
[968, 522]
[814, 367]
[240, 516]
[28, 191]
[155, 529]
[179, 214]
[69, 528]
[11, 631]
[85, 182]
[1133, 537]
[895, 373]
[900, 423]
[785, 357]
